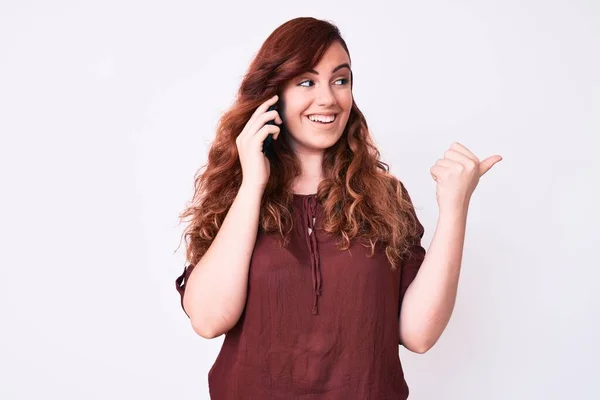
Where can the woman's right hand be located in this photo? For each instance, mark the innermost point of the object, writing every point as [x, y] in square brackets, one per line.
[256, 168]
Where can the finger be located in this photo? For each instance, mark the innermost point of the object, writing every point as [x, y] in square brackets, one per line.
[444, 162]
[488, 163]
[260, 110]
[459, 158]
[263, 132]
[262, 120]
[436, 172]
[462, 149]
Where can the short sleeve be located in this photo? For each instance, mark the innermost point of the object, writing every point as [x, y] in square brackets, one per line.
[410, 266]
[181, 282]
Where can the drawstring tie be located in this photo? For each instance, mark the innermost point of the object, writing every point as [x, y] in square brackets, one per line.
[310, 207]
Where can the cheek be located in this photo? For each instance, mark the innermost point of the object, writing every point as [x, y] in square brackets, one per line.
[291, 109]
[345, 100]
[292, 112]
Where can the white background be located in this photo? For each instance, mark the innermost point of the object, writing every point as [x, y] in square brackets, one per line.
[106, 112]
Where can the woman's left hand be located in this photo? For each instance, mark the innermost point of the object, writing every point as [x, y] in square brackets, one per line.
[457, 176]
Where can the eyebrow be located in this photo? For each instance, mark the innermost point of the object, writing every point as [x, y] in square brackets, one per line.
[344, 65]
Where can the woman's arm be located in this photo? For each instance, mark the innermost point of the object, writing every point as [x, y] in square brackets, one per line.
[215, 292]
[429, 300]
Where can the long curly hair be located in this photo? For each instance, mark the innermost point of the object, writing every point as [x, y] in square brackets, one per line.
[361, 199]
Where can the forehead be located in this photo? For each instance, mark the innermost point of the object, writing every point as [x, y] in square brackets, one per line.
[334, 56]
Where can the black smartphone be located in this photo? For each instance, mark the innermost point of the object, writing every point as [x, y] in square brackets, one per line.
[268, 143]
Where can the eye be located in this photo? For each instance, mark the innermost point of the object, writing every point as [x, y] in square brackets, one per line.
[337, 80]
[301, 83]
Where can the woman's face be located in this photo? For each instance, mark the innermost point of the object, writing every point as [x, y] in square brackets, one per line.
[323, 95]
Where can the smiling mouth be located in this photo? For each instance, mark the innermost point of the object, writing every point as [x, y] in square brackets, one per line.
[323, 123]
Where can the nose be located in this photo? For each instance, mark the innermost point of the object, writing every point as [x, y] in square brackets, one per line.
[325, 97]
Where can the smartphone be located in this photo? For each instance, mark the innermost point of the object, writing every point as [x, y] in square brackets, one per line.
[268, 143]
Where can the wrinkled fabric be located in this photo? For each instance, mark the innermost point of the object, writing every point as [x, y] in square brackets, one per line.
[319, 323]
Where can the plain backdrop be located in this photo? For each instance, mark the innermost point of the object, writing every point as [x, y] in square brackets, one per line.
[107, 110]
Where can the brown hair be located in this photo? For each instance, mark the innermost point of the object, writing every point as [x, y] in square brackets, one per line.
[360, 197]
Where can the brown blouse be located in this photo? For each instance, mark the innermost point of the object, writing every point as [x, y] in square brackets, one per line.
[319, 323]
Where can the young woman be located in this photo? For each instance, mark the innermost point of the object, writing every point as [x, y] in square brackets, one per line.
[308, 256]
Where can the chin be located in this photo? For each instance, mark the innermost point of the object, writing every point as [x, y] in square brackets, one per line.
[323, 144]
[318, 142]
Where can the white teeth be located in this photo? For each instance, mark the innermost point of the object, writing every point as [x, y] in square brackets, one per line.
[322, 118]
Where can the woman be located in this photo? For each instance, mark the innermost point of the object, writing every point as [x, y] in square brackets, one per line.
[306, 255]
